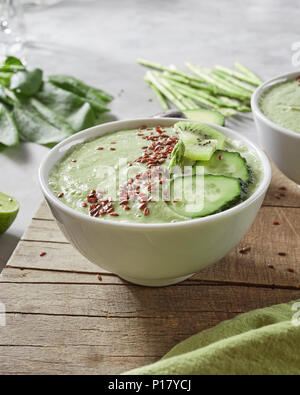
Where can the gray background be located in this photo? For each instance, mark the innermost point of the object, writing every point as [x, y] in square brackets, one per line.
[99, 42]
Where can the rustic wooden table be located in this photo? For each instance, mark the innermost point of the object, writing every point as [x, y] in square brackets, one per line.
[62, 318]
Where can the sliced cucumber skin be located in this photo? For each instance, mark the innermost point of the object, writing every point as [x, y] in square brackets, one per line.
[204, 115]
[235, 199]
[211, 166]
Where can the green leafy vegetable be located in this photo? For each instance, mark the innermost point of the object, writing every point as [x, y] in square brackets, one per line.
[80, 88]
[75, 109]
[45, 112]
[26, 83]
[8, 131]
[12, 64]
[35, 129]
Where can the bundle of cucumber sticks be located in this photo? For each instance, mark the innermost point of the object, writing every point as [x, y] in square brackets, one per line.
[222, 90]
[45, 111]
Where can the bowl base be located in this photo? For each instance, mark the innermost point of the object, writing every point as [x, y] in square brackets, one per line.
[156, 283]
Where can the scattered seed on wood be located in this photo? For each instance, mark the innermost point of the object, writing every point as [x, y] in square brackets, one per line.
[99, 277]
[244, 250]
[276, 223]
[43, 253]
[289, 269]
[282, 188]
[281, 253]
[270, 266]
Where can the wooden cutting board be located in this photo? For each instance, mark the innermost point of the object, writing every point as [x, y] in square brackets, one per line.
[62, 318]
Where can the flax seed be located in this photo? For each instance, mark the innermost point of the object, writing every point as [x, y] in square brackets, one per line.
[99, 277]
[112, 149]
[146, 212]
[43, 253]
[99, 148]
[276, 223]
[114, 214]
[244, 250]
[60, 195]
[281, 253]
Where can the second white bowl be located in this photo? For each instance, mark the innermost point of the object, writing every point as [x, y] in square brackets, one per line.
[281, 144]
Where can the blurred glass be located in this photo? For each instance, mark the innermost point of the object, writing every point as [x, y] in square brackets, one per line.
[12, 29]
[32, 4]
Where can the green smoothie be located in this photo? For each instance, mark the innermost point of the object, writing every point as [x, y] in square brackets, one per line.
[109, 177]
[281, 104]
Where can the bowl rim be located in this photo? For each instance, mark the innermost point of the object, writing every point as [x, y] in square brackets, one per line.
[257, 95]
[43, 179]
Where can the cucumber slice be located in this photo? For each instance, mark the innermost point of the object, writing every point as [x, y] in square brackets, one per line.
[204, 115]
[226, 163]
[9, 208]
[200, 140]
[204, 195]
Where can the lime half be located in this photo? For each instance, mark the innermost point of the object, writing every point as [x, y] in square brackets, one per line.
[9, 208]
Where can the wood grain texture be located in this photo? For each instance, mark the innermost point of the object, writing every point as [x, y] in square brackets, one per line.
[62, 318]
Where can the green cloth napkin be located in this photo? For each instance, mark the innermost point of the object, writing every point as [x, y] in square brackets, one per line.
[264, 341]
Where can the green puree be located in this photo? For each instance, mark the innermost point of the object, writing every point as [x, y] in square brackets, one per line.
[81, 170]
[281, 104]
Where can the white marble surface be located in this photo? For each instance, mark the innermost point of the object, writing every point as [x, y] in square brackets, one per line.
[99, 42]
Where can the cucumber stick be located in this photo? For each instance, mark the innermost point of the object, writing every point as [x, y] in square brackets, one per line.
[204, 115]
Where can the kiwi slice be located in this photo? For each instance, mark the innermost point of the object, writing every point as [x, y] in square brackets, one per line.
[200, 140]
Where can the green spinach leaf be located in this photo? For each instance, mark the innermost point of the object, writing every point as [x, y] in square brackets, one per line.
[34, 128]
[76, 110]
[26, 83]
[8, 131]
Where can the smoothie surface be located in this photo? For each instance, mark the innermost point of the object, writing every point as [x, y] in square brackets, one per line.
[117, 159]
[281, 104]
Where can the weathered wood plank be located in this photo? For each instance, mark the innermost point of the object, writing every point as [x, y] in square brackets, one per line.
[291, 196]
[265, 239]
[61, 361]
[58, 257]
[134, 301]
[17, 275]
[152, 337]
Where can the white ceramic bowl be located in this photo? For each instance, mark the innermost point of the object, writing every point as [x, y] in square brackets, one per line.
[281, 144]
[152, 254]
